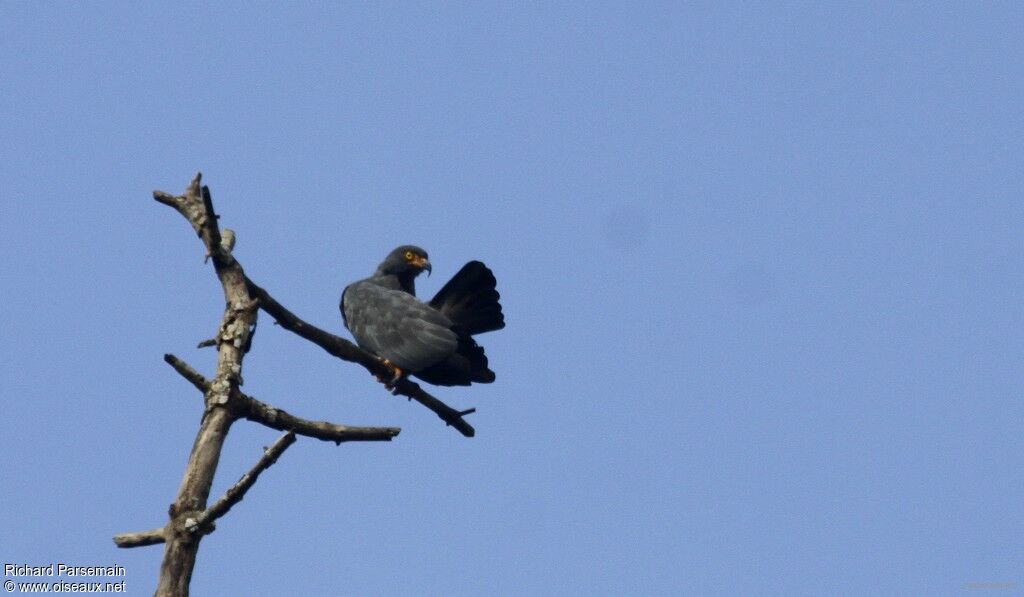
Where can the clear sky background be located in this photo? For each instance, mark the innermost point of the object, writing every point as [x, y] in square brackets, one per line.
[760, 265]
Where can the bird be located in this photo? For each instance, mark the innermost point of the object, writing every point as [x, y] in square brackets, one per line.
[434, 340]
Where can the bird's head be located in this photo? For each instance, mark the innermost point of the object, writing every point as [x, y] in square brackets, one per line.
[406, 261]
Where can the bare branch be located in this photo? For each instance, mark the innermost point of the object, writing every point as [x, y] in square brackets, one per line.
[225, 403]
[186, 371]
[237, 491]
[141, 539]
[345, 350]
[214, 243]
[278, 419]
[167, 198]
[221, 392]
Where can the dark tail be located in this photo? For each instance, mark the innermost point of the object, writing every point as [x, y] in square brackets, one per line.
[470, 300]
[468, 364]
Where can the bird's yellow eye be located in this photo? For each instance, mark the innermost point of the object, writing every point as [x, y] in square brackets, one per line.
[408, 255]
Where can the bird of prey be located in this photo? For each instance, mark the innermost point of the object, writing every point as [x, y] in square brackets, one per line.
[433, 341]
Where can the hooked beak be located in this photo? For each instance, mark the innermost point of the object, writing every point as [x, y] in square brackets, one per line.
[423, 263]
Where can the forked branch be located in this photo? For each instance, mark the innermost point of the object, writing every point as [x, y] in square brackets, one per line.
[190, 519]
[276, 418]
[204, 521]
[238, 490]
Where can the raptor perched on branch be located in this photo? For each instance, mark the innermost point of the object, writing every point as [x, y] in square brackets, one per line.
[433, 341]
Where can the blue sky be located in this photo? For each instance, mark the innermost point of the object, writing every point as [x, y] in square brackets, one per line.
[760, 264]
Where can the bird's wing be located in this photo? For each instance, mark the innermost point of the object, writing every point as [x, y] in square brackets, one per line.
[397, 326]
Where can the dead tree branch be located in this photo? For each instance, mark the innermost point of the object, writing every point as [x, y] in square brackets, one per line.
[186, 371]
[239, 319]
[280, 419]
[151, 537]
[204, 521]
[238, 490]
[190, 518]
[276, 418]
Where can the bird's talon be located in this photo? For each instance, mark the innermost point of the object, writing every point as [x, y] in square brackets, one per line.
[389, 384]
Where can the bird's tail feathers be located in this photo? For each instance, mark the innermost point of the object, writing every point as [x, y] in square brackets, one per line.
[470, 300]
[468, 364]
